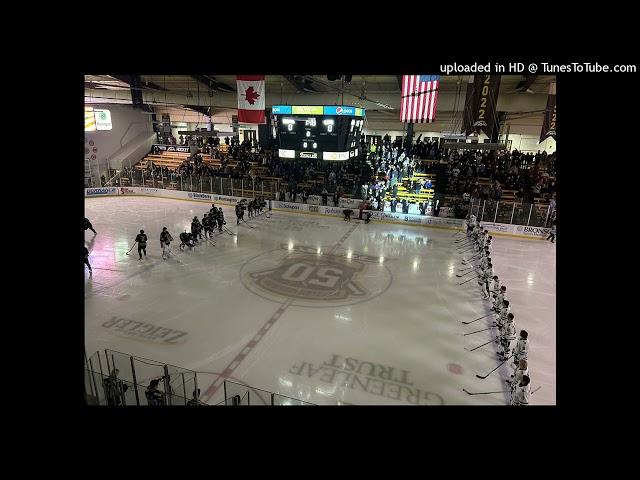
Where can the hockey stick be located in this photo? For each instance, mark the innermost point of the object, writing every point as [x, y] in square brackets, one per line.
[211, 242]
[536, 390]
[482, 393]
[134, 244]
[472, 278]
[483, 330]
[467, 323]
[502, 363]
[475, 348]
[464, 274]
[465, 251]
[250, 226]
[228, 231]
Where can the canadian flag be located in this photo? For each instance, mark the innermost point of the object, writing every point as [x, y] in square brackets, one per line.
[250, 98]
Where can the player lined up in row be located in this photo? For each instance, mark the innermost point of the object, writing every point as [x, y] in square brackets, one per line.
[215, 217]
[480, 242]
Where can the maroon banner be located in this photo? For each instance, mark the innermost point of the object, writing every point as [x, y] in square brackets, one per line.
[480, 106]
[549, 124]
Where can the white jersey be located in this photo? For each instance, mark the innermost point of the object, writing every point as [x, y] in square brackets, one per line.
[508, 331]
[502, 316]
[487, 273]
[518, 376]
[521, 352]
[483, 262]
[472, 219]
[521, 395]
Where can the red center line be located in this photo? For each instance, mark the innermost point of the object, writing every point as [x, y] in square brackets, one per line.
[237, 360]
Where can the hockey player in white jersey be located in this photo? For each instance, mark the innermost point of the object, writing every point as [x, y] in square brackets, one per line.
[495, 286]
[500, 298]
[476, 231]
[523, 369]
[487, 245]
[483, 239]
[470, 224]
[486, 274]
[507, 335]
[484, 262]
[521, 351]
[522, 392]
[503, 313]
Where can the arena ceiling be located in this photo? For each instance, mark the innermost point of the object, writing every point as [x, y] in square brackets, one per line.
[378, 94]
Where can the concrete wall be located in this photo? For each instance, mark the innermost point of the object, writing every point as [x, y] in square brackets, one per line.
[130, 138]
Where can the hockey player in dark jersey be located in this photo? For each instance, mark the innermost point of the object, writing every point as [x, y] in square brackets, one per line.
[196, 228]
[239, 212]
[86, 259]
[250, 208]
[220, 219]
[206, 225]
[88, 226]
[186, 240]
[347, 214]
[165, 240]
[141, 238]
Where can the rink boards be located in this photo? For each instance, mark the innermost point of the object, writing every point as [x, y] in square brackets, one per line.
[520, 231]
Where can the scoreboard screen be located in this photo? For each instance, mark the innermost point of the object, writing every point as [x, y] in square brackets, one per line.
[318, 132]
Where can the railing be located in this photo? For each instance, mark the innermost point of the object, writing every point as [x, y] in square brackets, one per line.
[239, 187]
[512, 212]
[496, 211]
[117, 379]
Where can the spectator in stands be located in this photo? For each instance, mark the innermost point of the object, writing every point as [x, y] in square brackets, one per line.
[155, 397]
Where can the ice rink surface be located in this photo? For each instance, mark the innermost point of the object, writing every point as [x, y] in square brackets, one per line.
[313, 307]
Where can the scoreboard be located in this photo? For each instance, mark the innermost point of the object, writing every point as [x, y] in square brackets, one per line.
[318, 132]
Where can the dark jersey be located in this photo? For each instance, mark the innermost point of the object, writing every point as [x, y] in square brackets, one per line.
[165, 237]
[141, 238]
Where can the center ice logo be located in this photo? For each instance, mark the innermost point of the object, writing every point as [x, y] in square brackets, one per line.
[315, 278]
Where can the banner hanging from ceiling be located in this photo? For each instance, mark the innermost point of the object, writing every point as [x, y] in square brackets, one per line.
[251, 102]
[480, 105]
[549, 124]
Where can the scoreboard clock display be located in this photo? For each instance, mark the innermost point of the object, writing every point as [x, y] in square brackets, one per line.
[318, 132]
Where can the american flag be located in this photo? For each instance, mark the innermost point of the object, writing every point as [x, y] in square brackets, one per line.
[419, 98]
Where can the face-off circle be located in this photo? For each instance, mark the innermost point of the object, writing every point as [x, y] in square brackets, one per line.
[313, 279]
